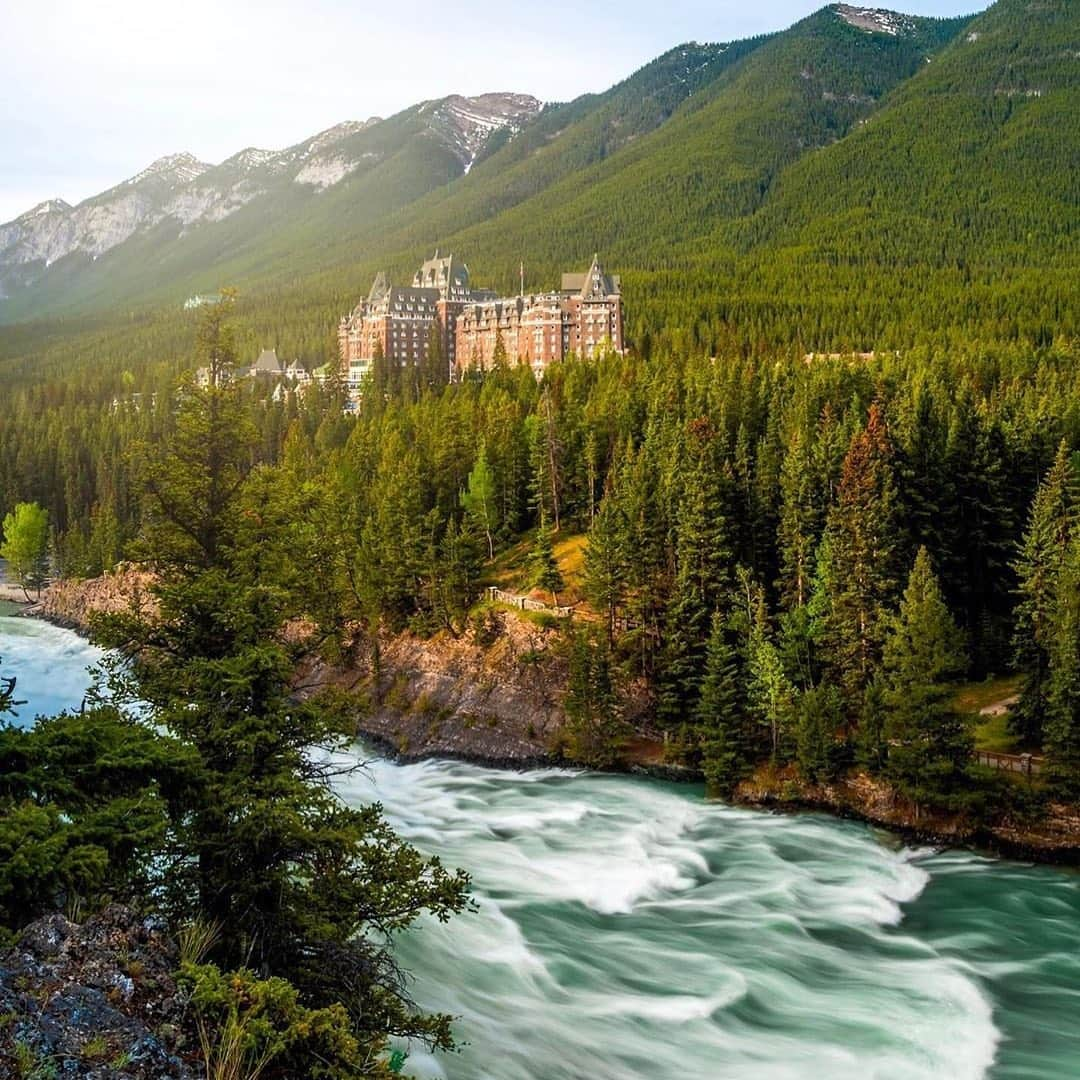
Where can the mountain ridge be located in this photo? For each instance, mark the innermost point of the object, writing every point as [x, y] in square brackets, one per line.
[181, 188]
[812, 187]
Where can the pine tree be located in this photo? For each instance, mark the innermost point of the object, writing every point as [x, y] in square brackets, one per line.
[771, 694]
[1038, 567]
[595, 726]
[720, 717]
[546, 574]
[819, 717]
[392, 540]
[703, 559]
[300, 885]
[1062, 722]
[929, 741]
[499, 358]
[976, 571]
[799, 524]
[862, 533]
[434, 366]
[872, 745]
[607, 560]
[546, 456]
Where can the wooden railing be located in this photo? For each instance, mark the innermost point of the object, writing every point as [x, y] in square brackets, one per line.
[1026, 764]
[526, 603]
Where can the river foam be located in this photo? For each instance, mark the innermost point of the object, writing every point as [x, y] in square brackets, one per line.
[630, 929]
[49, 663]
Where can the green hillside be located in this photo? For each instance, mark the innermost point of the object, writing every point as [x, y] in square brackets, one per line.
[828, 187]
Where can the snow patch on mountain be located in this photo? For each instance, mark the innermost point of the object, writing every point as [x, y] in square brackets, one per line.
[876, 20]
[172, 169]
[324, 162]
[464, 124]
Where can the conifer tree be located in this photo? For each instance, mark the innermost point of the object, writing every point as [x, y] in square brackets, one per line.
[929, 741]
[434, 366]
[595, 728]
[976, 572]
[819, 717]
[872, 746]
[924, 482]
[771, 693]
[546, 573]
[546, 456]
[479, 499]
[607, 560]
[1038, 568]
[1062, 724]
[499, 358]
[862, 536]
[799, 524]
[703, 559]
[299, 884]
[720, 716]
[392, 539]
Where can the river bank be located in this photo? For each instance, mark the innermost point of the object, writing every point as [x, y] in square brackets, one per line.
[493, 696]
[13, 594]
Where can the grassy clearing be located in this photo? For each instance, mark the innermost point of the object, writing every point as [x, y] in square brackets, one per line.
[512, 568]
[993, 734]
[974, 697]
[988, 702]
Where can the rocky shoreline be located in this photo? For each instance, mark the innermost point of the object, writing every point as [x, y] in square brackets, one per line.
[493, 697]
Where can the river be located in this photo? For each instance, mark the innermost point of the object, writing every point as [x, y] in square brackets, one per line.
[631, 930]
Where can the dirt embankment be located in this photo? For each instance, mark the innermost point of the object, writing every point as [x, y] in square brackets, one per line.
[496, 699]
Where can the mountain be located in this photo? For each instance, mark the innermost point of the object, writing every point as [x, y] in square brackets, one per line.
[163, 204]
[714, 160]
[862, 179]
[30, 244]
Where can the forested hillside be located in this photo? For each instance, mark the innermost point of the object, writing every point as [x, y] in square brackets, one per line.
[829, 187]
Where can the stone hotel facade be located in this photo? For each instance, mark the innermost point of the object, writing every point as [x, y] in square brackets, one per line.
[441, 309]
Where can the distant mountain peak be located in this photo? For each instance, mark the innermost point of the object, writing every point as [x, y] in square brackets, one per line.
[177, 168]
[466, 123]
[49, 206]
[253, 157]
[875, 20]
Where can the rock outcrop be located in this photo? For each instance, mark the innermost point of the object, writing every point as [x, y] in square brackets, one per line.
[72, 602]
[95, 1001]
[493, 695]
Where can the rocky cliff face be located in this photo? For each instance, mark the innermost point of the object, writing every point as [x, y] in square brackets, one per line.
[493, 695]
[33, 242]
[73, 603]
[465, 124]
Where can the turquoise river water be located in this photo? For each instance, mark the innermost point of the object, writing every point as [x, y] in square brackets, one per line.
[631, 930]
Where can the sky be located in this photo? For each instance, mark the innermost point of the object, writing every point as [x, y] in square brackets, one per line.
[92, 92]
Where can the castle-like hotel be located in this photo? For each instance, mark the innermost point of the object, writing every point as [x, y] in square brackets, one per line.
[441, 310]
